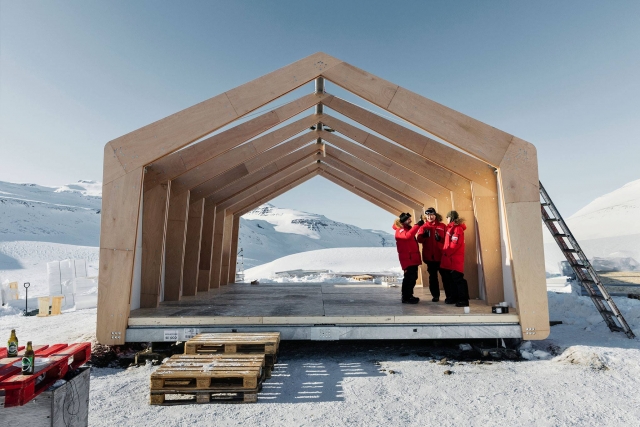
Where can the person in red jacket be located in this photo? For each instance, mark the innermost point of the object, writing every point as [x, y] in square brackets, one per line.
[431, 236]
[409, 255]
[453, 261]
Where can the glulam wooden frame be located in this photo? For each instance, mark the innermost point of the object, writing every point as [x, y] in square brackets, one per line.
[126, 158]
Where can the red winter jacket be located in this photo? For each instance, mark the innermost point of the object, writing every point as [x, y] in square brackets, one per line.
[432, 249]
[453, 250]
[408, 250]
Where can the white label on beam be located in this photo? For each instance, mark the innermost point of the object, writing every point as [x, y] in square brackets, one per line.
[171, 335]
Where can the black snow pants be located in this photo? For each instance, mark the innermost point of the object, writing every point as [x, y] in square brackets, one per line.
[434, 287]
[409, 281]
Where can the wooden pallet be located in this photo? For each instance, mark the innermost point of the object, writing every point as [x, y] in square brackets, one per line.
[209, 373]
[203, 396]
[210, 343]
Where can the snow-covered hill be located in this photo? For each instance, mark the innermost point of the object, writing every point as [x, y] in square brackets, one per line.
[268, 233]
[608, 227]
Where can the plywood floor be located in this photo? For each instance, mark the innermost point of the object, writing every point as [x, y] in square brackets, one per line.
[311, 301]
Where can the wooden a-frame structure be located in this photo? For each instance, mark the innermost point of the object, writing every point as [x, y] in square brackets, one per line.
[171, 210]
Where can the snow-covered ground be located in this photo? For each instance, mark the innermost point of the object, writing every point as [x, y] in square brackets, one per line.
[582, 375]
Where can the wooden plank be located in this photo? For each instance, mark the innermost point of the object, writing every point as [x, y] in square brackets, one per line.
[264, 166]
[374, 183]
[519, 173]
[528, 268]
[234, 249]
[389, 166]
[114, 279]
[369, 194]
[145, 145]
[296, 169]
[217, 165]
[470, 252]
[216, 253]
[154, 228]
[486, 211]
[206, 248]
[407, 158]
[192, 249]
[179, 162]
[118, 234]
[472, 136]
[120, 210]
[455, 161]
[226, 250]
[389, 180]
[177, 220]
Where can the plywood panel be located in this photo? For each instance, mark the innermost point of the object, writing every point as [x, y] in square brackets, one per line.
[191, 268]
[114, 293]
[154, 221]
[470, 253]
[388, 166]
[226, 250]
[206, 247]
[266, 165]
[460, 163]
[119, 214]
[402, 156]
[145, 145]
[216, 257]
[217, 165]
[527, 256]
[391, 181]
[177, 221]
[519, 173]
[234, 249]
[261, 154]
[291, 162]
[487, 215]
[483, 141]
[374, 183]
[175, 164]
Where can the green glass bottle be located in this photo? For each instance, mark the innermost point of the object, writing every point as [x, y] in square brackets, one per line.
[28, 366]
[12, 345]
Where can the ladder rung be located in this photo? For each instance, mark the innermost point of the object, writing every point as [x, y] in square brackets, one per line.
[609, 313]
[552, 219]
[545, 204]
[616, 328]
[560, 235]
[574, 251]
[600, 297]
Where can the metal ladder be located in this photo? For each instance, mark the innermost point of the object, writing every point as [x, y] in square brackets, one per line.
[582, 267]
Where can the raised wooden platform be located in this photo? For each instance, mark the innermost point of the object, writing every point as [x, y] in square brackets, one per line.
[271, 306]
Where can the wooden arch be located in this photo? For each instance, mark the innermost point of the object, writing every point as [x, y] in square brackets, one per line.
[127, 158]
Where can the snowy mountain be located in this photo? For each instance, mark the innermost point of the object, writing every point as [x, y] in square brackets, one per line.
[605, 228]
[268, 233]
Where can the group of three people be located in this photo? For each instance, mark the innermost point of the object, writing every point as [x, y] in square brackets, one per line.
[442, 251]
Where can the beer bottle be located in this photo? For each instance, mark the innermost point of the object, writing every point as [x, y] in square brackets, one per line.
[12, 345]
[28, 366]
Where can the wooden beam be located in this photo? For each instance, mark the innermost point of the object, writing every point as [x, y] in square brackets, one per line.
[174, 246]
[234, 159]
[519, 178]
[206, 247]
[234, 249]
[149, 143]
[154, 228]
[192, 249]
[461, 187]
[180, 162]
[226, 249]
[472, 136]
[216, 253]
[378, 174]
[392, 168]
[244, 170]
[460, 163]
[374, 183]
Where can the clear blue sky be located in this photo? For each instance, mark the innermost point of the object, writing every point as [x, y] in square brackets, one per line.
[562, 75]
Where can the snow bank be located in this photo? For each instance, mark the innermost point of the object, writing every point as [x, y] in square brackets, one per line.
[370, 260]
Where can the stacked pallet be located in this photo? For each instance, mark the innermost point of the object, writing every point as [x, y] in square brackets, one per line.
[220, 368]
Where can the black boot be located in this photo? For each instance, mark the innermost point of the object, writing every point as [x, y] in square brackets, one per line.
[462, 304]
[410, 300]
